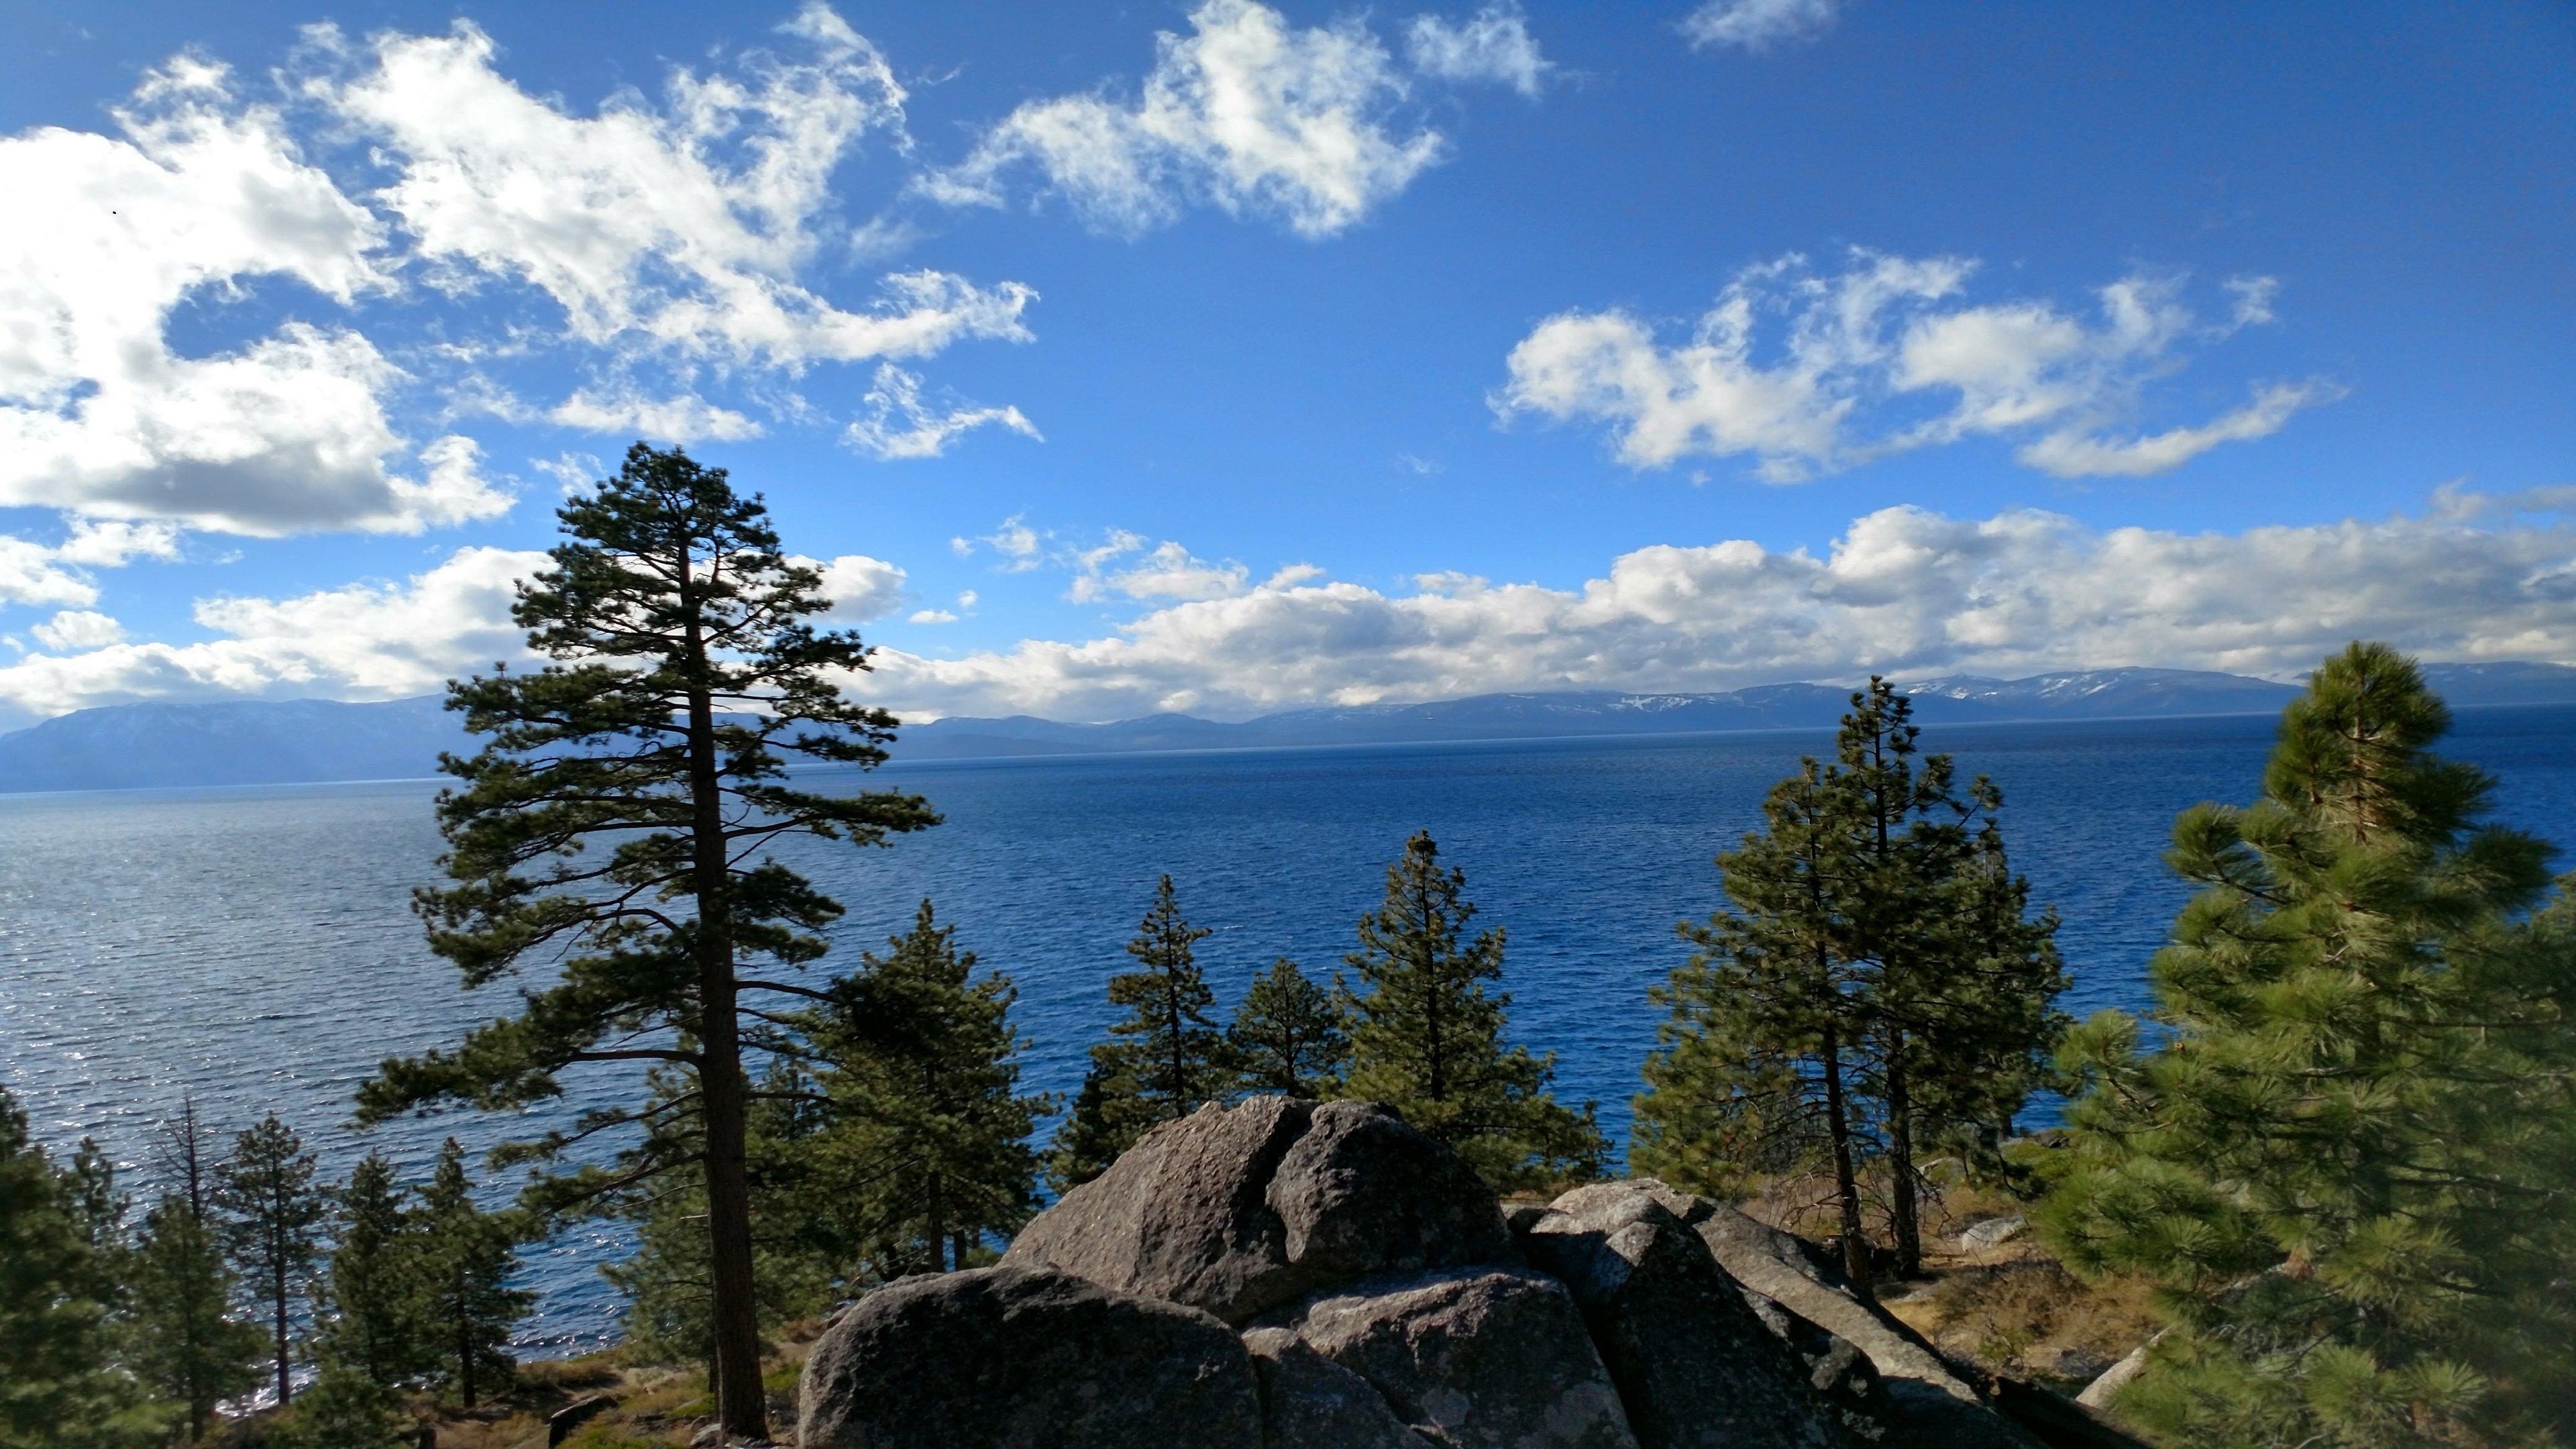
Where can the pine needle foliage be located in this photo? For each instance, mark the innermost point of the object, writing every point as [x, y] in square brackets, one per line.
[371, 1315]
[58, 1279]
[1163, 1060]
[182, 1341]
[270, 1215]
[1876, 986]
[2343, 1143]
[1289, 1035]
[467, 1258]
[928, 1156]
[1426, 1033]
[621, 820]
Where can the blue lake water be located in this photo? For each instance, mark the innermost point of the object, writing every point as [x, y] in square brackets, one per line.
[255, 946]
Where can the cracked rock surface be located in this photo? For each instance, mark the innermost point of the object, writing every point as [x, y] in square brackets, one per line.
[1284, 1274]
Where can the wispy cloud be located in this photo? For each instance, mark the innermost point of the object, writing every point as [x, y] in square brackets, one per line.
[1494, 44]
[1759, 25]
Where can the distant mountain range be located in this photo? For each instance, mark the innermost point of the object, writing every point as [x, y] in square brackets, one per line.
[257, 742]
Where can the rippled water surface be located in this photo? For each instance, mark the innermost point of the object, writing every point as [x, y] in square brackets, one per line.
[255, 946]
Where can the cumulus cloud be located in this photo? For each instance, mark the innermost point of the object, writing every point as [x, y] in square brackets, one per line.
[77, 629]
[1494, 44]
[1904, 591]
[35, 573]
[680, 226]
[1861, 353]
[364, 641]
[860, 588]
[1166, 571]
[930, 616]
[1758, 25]
[898, 424]
[196, 195]
[1247, 113]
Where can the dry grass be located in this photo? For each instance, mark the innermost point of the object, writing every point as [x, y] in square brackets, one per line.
[2012, 1308]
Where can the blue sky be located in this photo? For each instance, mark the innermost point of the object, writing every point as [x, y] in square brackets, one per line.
[1227, 357]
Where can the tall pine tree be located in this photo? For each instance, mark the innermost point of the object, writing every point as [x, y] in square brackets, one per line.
[1427, 1035]
[1163, 1060]
[622, 818]
[372, 1312]
[1758, 1062]
[1878, 986]
[467, 1258]
[1289, 1035]
[183, 1341]
[57, 1383]
[928, 1154]
[270, 1214]
[2343, 1143]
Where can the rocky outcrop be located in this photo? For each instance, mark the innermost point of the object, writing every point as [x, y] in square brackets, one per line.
[1288, 1275]
[1015, 1356]
[1363, 1193]
[1492, 1358]
[1695, 1367]
[1780, 1267]
[1310, 1402]
[1241, 1210]
[1183, 1215]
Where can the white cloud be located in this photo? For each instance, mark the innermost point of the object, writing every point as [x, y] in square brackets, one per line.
[1758, 25]
[2074, 455]
[966, 598]
[1019, 545]
[1246, 113]
[898, 424]
[681, 226]
[1862, 351]
[1904, 590]
[364, 641]
[1168, 571]
[860, 588]
[98, 416]
[931, 616]
[1494, 44]
[680, 419]
[35, 573]
[76, 629]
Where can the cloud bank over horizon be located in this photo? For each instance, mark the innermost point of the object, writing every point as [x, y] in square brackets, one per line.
[1903, 590]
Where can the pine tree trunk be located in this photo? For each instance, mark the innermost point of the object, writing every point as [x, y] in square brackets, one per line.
[278, 1261]
[464, 1345]
[1846, 1182]
[937, 1236]
[741, 1406]
[960, 1244]
[1900, 1159]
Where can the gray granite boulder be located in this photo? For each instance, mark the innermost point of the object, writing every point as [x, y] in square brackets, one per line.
[1240, 1210]
[1007, 1357]
[1494, 1358]
[1694, 1366]
[1362, 1193]
[1937, 1406]
[1182, 1215]
[1779, 1267]
[1310, 1402]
